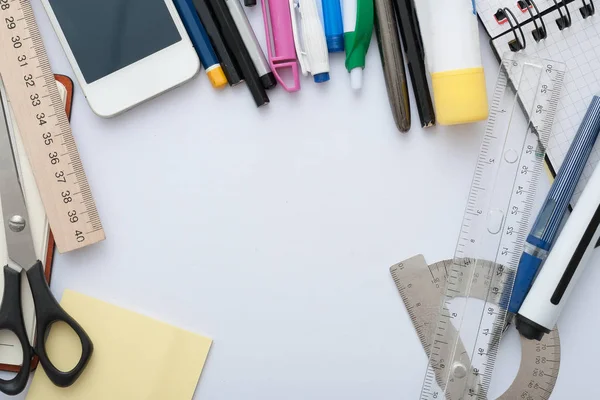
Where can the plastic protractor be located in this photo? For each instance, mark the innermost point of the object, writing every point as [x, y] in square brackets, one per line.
[421, 287]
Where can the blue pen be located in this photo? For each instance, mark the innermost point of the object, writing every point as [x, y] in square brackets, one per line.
[201, 42]
[334, 25]
[545, 228]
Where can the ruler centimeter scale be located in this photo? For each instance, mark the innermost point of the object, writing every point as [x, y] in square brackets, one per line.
[47, 137]
[494, 228]
[421, 287]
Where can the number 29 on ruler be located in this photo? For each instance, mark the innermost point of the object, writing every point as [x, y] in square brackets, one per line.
[45, 130]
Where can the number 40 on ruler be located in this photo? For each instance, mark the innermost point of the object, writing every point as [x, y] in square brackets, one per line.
[45, 130]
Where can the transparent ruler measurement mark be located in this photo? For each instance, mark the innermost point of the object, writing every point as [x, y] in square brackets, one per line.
[496, 222]
[36, 105]
[421, 287]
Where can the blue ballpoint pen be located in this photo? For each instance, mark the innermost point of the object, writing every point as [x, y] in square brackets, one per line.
[201, 42]
[546, 226]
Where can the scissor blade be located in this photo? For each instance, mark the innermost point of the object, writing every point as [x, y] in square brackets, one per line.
[19, 241]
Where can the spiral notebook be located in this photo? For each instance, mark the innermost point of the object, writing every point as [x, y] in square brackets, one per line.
[567, 31]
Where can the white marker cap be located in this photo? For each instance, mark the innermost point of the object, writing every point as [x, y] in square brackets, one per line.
[356, 78]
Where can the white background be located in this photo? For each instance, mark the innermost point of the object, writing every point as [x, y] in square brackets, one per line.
[272, 231]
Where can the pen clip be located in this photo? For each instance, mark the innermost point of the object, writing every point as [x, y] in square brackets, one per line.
[302, 55]
[279, 63]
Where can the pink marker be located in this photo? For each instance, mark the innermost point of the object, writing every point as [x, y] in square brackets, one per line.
[280, 41]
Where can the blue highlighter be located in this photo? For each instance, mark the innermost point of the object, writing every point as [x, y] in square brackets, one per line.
[334, 25]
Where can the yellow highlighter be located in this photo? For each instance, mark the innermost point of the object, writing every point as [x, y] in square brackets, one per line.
[450, 32]
[201, 42]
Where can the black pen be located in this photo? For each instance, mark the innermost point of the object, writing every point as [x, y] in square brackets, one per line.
[415, 54]
[251, 42]
[234, 41]
[229, 64]
[392, 60]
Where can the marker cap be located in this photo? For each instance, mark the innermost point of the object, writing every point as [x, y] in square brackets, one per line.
[335, 43]
[529, 329]
[460, 96]
[217, 77]
[322, 77]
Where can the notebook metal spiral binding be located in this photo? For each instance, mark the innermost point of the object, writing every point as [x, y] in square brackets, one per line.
[564, 21]
[539, 32]
[516, 44]
[588, 9]
[524, 5]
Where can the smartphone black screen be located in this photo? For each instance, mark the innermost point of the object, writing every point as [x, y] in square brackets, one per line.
[108, 35]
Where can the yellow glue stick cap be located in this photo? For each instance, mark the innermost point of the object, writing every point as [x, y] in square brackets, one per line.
[216, 76]
[460, 96]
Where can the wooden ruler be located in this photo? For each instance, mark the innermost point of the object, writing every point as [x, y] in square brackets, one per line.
[41, 118]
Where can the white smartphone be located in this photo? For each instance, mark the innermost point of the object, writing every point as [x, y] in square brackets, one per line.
[123, 52]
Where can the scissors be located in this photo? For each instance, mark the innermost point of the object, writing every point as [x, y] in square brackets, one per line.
[22, 257]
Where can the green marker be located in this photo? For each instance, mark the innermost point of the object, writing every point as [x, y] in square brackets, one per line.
[358, 29]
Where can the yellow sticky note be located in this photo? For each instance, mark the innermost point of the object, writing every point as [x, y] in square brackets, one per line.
[135, 357]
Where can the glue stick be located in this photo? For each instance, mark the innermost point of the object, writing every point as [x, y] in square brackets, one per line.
[451, 38]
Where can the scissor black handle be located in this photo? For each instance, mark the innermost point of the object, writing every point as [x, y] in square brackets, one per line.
[47, 312]
[11, 319]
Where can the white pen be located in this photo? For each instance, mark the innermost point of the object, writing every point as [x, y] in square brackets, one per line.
[311, 45]
[566, 262]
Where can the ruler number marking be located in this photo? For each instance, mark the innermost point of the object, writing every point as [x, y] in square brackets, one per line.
[519, 197]
[40, 114]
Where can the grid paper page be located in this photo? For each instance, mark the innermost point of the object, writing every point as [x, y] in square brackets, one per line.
[487, 8]
[579, 48]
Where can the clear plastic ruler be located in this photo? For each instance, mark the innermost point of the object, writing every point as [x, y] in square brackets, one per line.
[495, 225]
